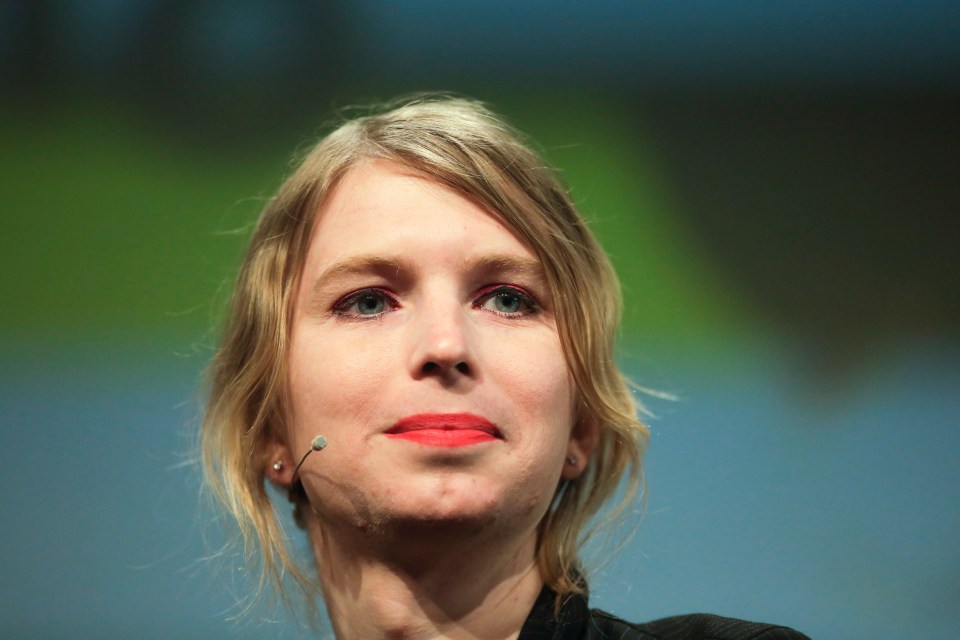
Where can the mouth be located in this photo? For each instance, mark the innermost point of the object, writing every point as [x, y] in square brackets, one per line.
[445, 429]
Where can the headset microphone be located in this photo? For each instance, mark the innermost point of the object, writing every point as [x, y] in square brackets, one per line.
[316, 444]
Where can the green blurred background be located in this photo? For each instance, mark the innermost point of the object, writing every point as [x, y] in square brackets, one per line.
[776, 184]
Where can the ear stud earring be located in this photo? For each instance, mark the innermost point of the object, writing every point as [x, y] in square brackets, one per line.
[278, 465]
[572, 459]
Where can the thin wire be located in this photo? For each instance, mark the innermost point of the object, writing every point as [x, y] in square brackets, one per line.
[318, 444]
[293, 478]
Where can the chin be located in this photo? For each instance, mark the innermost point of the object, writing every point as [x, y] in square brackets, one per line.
[465, 504]
[451, 500]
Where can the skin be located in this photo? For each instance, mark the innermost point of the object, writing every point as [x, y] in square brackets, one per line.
[415, 300]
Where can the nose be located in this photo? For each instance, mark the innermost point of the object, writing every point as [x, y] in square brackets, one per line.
[442, 344]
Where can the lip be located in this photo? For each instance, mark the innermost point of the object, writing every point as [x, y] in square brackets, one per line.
[444, 429]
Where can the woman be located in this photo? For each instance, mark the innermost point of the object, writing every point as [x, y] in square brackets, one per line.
[422, 293]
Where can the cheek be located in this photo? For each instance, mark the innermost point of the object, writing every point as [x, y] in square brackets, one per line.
[332, 383]
[541, 389]
[542, 392]
[544, 395]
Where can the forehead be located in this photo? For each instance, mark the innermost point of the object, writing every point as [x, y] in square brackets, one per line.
[382, 208]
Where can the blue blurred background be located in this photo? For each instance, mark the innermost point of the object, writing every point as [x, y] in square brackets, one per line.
[776, 182]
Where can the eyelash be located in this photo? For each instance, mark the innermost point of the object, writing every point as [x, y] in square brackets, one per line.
[343, 305]
[491, 292]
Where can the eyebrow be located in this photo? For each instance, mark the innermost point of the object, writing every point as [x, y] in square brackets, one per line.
[358, 265]
[522, 266]
[396, 266]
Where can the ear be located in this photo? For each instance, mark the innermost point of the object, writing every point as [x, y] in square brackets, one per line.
[278, 462]
[583, 440]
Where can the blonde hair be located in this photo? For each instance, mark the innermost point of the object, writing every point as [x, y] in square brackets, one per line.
[460, 144]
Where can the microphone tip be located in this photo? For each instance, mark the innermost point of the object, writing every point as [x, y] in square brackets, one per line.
[318, 443]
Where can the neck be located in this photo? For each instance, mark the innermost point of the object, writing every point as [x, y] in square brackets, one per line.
[447, 584]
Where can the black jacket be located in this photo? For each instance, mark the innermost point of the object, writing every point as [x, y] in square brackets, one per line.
[578, 622]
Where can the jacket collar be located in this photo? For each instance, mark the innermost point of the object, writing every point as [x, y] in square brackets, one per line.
[543, 624]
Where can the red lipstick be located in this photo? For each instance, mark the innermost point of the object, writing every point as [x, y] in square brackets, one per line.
[444, 429]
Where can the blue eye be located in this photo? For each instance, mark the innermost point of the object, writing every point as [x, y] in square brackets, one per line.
[366, 303]
[506, 300]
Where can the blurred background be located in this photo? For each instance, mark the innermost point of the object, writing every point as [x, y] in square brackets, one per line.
[777, 184]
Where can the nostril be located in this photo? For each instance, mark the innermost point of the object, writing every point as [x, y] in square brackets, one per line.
[430, 368]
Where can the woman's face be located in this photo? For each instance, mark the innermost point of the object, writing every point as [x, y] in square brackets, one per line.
[424, 347]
